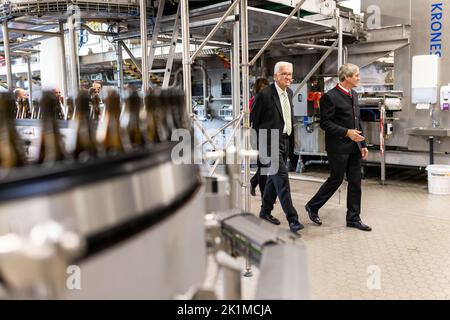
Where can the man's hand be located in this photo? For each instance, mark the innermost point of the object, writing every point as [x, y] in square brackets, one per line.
[354, 135]
[364, 153]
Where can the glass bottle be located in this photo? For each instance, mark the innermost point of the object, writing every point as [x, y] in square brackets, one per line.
[108, 131]
[11, 152]
[85, 144]
[51, 148]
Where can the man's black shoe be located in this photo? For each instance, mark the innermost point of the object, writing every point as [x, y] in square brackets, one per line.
[270, 218]
[314, 216]
[295, 226]
[358, 225]
[252, 190]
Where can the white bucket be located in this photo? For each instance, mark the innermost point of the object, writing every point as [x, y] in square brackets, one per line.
[438, 179]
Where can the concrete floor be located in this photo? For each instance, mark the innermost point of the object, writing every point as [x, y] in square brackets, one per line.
[406, 256]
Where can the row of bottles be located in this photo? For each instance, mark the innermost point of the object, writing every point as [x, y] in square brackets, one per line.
[137, 123]
[23, 110]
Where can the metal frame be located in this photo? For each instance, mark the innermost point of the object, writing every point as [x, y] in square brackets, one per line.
[241, 71]
[173, 45]
[144, 45]
[7, 54]
[155, 33]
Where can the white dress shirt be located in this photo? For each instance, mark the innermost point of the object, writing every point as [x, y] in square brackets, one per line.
[280, 95]
[344, 89]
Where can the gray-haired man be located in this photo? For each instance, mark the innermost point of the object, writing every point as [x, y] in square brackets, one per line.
[345, 145]
[272, 110]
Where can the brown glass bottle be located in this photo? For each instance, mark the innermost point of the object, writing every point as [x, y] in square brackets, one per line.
[26, 113]
[132, 108]
[108, 132]
[11, 152]
[36, 113]
[19, 108]
[95, 107]
[150, 102]
[85, 144]
[52, 147]
[71, 109]
[156, 104]
[167, 111]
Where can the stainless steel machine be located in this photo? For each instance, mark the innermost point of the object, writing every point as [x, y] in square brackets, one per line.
[405, 29]
[123, 227]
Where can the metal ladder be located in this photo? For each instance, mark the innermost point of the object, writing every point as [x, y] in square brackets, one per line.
[168, 69]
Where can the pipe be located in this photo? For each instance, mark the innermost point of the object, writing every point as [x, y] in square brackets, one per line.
[224, 99]
[306, 45]
[144, 59]
[186, 55]
[285, 22]
[245, 102]
[340, 40]
[382, 144]
[30, 81]
[73, 56]
[119, 68]
[7, 55]
[36, 32]
[91, 31]
[235, 70]
[431, 143]
[165, 38]
[202, 68]
[175, 76]
[169, 62]
[298, 38]
[63, 61]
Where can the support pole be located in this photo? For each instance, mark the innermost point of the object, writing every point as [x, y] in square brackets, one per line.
[63, 60]
[119, 68]
[235, 68]
[73, 57]
[30, 81]
[382, 144]
[7, 55]
[155, 33]
[144, 45]
[169, 62]
[245, 100]
[186, 55]
[340, 39]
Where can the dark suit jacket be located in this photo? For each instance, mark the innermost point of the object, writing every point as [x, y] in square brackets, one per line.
[267, 113]
[336, 117]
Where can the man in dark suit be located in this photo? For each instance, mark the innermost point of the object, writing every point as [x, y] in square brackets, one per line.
[345, 145]
[273, 110]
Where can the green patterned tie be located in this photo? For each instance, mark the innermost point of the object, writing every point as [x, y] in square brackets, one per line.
[287, 113]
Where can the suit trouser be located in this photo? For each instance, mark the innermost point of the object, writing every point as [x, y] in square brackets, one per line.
[278, 185]
[259, 179]
[340, 164]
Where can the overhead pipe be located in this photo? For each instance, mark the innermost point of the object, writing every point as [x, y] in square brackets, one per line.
[307, 45]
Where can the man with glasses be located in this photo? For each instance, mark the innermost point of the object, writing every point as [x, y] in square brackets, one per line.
[273, 110]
